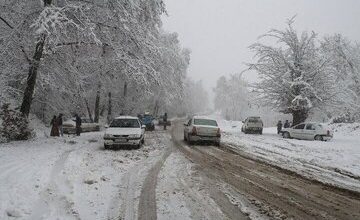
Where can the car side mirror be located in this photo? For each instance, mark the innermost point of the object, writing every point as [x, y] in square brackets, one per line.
[185, 125]
[143, 126]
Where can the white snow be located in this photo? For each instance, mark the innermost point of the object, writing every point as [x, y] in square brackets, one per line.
[336, 162]
[72, 178]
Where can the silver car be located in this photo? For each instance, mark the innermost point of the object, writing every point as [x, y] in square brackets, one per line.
[309, 131]
[252, 125]
[202, 129]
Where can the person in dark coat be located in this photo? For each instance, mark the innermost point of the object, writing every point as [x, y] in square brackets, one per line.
[60, 124]
[54, 127]
[78, 124]
[287, 124]
[279, 127]
[165, 118]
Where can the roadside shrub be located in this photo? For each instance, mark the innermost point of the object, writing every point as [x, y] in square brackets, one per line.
[14, 126]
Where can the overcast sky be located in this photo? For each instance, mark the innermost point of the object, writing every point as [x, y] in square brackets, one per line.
[218, 32]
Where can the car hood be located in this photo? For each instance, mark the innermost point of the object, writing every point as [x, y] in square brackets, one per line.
[123, 131]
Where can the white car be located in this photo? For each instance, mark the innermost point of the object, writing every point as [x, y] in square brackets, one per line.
[87, 125]
[124, 131]
[252, 125]
[309, 131]
[202, 129]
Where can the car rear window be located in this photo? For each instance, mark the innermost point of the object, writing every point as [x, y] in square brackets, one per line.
[254, 120]
[206, 122]
[125, 123]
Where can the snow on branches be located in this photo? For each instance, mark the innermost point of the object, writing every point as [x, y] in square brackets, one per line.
[295, 75]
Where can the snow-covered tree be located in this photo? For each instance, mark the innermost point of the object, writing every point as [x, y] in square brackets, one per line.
[67, 56]
[344, 58]
[232, 97]
[294, 76]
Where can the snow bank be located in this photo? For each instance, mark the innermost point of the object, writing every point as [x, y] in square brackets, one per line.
[336, 162]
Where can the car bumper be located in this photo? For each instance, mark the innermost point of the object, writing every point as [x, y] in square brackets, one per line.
[327, 138]
[122, 142]
[254, 129]
[205, 138]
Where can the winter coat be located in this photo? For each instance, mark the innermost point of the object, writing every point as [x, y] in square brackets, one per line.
[279, 125]
[287, 125]
[60, 121]
[78, 121]
[54, 128]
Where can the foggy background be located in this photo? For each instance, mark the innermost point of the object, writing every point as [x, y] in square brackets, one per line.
[219, 32]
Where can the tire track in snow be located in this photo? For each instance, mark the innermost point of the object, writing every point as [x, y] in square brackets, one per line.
[53, 194]
[147, 205]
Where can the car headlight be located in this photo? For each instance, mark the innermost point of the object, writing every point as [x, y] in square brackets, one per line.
[134, 136]
[107, 136]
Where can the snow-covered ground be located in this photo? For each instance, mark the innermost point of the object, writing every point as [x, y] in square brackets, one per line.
[72, 178]
[336, 162]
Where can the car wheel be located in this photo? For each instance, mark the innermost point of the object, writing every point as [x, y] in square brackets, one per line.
[143, 141]
[319, 138]
[286, 135]
[260, 132]
[217, 143]
[246, 131]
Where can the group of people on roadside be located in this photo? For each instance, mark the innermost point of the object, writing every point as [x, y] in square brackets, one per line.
[279, 125]
[57, 128]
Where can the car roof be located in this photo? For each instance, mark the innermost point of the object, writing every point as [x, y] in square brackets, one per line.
[126, 117]
[203, 117]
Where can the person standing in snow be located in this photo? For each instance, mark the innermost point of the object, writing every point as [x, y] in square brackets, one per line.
[279, 127]
[165, 120]
[78, 124]
[54, 127]
[60, 124]
[287, 124]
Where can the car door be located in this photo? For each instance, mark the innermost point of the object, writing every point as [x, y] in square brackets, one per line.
[309, 131]
[298, 131]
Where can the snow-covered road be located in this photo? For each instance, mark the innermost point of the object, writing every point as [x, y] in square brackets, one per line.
[75, 178]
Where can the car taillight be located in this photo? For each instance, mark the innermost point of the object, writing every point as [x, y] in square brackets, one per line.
[218, 133]
[194, 132]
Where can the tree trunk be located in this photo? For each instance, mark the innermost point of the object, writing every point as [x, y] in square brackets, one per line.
[299, 116]
[31, 80]
[97, 105]
[102, 110]
[109, 116]
[33, 70]
[88, 109]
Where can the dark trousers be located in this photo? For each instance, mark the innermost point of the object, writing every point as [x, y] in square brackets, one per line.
[78, 131]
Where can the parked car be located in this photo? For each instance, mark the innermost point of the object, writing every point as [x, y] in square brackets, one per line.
[309, 131]
[87, 125]
[148, 120]
[201, 129]
[124, 131]
[252, 125]
[161, 121]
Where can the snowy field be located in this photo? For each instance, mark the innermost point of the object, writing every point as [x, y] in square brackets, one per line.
[72, 178]
[336, 162]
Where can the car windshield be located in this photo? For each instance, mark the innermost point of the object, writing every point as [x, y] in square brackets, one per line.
[125, 123]
[207, 122]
